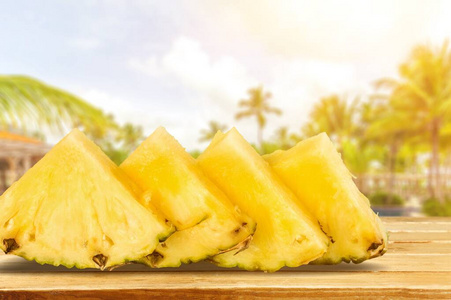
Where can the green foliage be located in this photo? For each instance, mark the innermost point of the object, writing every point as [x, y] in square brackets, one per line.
[117, 141]
[336, 116]
[129, 137]
[434, 207]
[406, 118]
[358, 156]
[419, 103]
[346, 120]
[383, 198]
[117, 155]
[267, 148]
[27, 104]
[257, 106]
[195, 153]
[284, 139]
[213, 127]
[38, 135]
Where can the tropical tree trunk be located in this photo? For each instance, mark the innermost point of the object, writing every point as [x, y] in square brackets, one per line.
[446, 173]
[434, 168]
[393, 152]
[260, 137]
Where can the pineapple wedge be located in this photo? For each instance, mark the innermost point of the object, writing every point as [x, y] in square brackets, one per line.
[286, 234]
[315, 172]
[75, 207]
[206, 220]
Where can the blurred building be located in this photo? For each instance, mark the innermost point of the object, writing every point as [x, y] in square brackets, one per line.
[18, 154]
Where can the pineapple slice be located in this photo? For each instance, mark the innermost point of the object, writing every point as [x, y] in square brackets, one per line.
[286, 234]
[75, 207]
[314, 170]
[205, 219]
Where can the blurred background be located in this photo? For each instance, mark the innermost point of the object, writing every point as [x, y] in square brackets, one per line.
[374, 75]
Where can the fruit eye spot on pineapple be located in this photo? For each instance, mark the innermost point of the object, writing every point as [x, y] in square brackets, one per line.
[154, 258]
[376, 249]
[10, 245]
[374, 246]
[100, 260]
[239, 228]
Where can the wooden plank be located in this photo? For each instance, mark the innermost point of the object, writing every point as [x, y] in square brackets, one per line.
[420, 227]
[240, 293]
[435, 283]
[390, 262]
[417, 265]
[418, 248]
[438, 237]
[419, 220]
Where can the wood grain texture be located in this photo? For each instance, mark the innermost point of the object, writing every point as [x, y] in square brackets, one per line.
[417, 265]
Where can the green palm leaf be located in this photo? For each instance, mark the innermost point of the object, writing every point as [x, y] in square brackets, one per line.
[213, 128]
[257, 105]
[28, 103]
[420, 103]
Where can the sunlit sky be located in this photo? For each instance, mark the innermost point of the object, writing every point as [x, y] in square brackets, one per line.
[182, 63]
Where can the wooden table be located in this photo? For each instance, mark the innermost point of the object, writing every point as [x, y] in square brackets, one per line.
[417, 265]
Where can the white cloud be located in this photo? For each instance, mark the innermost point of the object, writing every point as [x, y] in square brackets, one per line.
[149, 66]
[122, 110]
[220, 82]
[83, 43]
[217, 85]
[298, 84]
[185, 129]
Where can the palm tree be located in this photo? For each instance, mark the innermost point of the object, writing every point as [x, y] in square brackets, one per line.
[423, 94]
[345, 120]
[335, 115]
[284, 139]
[116, 141]
[392, 129]
[257, 105]
[27, 103]
[213, 128]
[130, 136]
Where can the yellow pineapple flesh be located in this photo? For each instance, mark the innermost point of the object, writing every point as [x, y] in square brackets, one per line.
[206, 220]
[286, 233]
[75, 207]
[315, 172]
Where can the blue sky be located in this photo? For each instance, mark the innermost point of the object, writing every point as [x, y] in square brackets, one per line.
[182, 63]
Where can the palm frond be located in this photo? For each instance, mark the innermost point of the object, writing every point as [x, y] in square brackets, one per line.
[385, 83]
[214, 127]
[244, 114]
[25, 101]
[244, 103]
[274, 110]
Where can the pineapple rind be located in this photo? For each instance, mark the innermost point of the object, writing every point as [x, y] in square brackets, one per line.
[195, 252]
